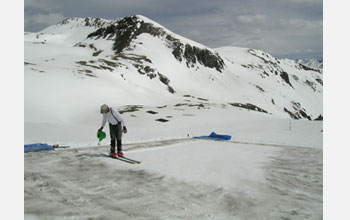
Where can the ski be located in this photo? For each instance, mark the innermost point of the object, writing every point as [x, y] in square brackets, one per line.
[132, 160]
[120, 158]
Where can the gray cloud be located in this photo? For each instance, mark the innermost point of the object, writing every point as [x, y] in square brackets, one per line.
[43, 20]
[246, 19]
[284, 28]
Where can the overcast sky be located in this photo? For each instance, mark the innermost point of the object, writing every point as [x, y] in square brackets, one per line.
[283, 28]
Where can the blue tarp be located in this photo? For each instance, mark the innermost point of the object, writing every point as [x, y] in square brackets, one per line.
[37, 147]
[216, 136]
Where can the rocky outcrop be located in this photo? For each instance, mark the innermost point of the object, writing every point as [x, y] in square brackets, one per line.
[193, 55]
[124, 31]
[88, 22]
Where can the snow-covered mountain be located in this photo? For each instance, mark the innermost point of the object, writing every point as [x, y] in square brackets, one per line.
[316, 63]
[81, 63]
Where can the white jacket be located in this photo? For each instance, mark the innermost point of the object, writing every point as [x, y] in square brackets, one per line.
[113, 117]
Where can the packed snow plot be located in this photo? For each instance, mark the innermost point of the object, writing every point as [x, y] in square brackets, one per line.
[187, 179]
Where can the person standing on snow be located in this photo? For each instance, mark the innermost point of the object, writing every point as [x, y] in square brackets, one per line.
[116, 128]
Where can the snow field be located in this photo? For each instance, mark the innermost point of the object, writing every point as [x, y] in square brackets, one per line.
[183, 121]
[274, 175]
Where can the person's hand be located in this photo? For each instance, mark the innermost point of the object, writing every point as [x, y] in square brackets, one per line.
[125, 130]
[100, 129]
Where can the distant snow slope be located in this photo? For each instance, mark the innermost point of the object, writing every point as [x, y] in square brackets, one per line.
[73, 67]
[315, 63]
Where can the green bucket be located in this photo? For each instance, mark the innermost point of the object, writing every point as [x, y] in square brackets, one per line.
[101, 135]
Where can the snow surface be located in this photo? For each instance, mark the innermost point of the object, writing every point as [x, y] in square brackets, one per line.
[265, 172]
[271, 169]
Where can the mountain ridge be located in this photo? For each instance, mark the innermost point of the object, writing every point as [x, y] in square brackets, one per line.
[120, 53]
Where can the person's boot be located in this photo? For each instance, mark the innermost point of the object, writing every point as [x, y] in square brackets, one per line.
[113, 154]
[120, 154]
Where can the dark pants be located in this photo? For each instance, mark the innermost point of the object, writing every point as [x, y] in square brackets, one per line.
[115, 132]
